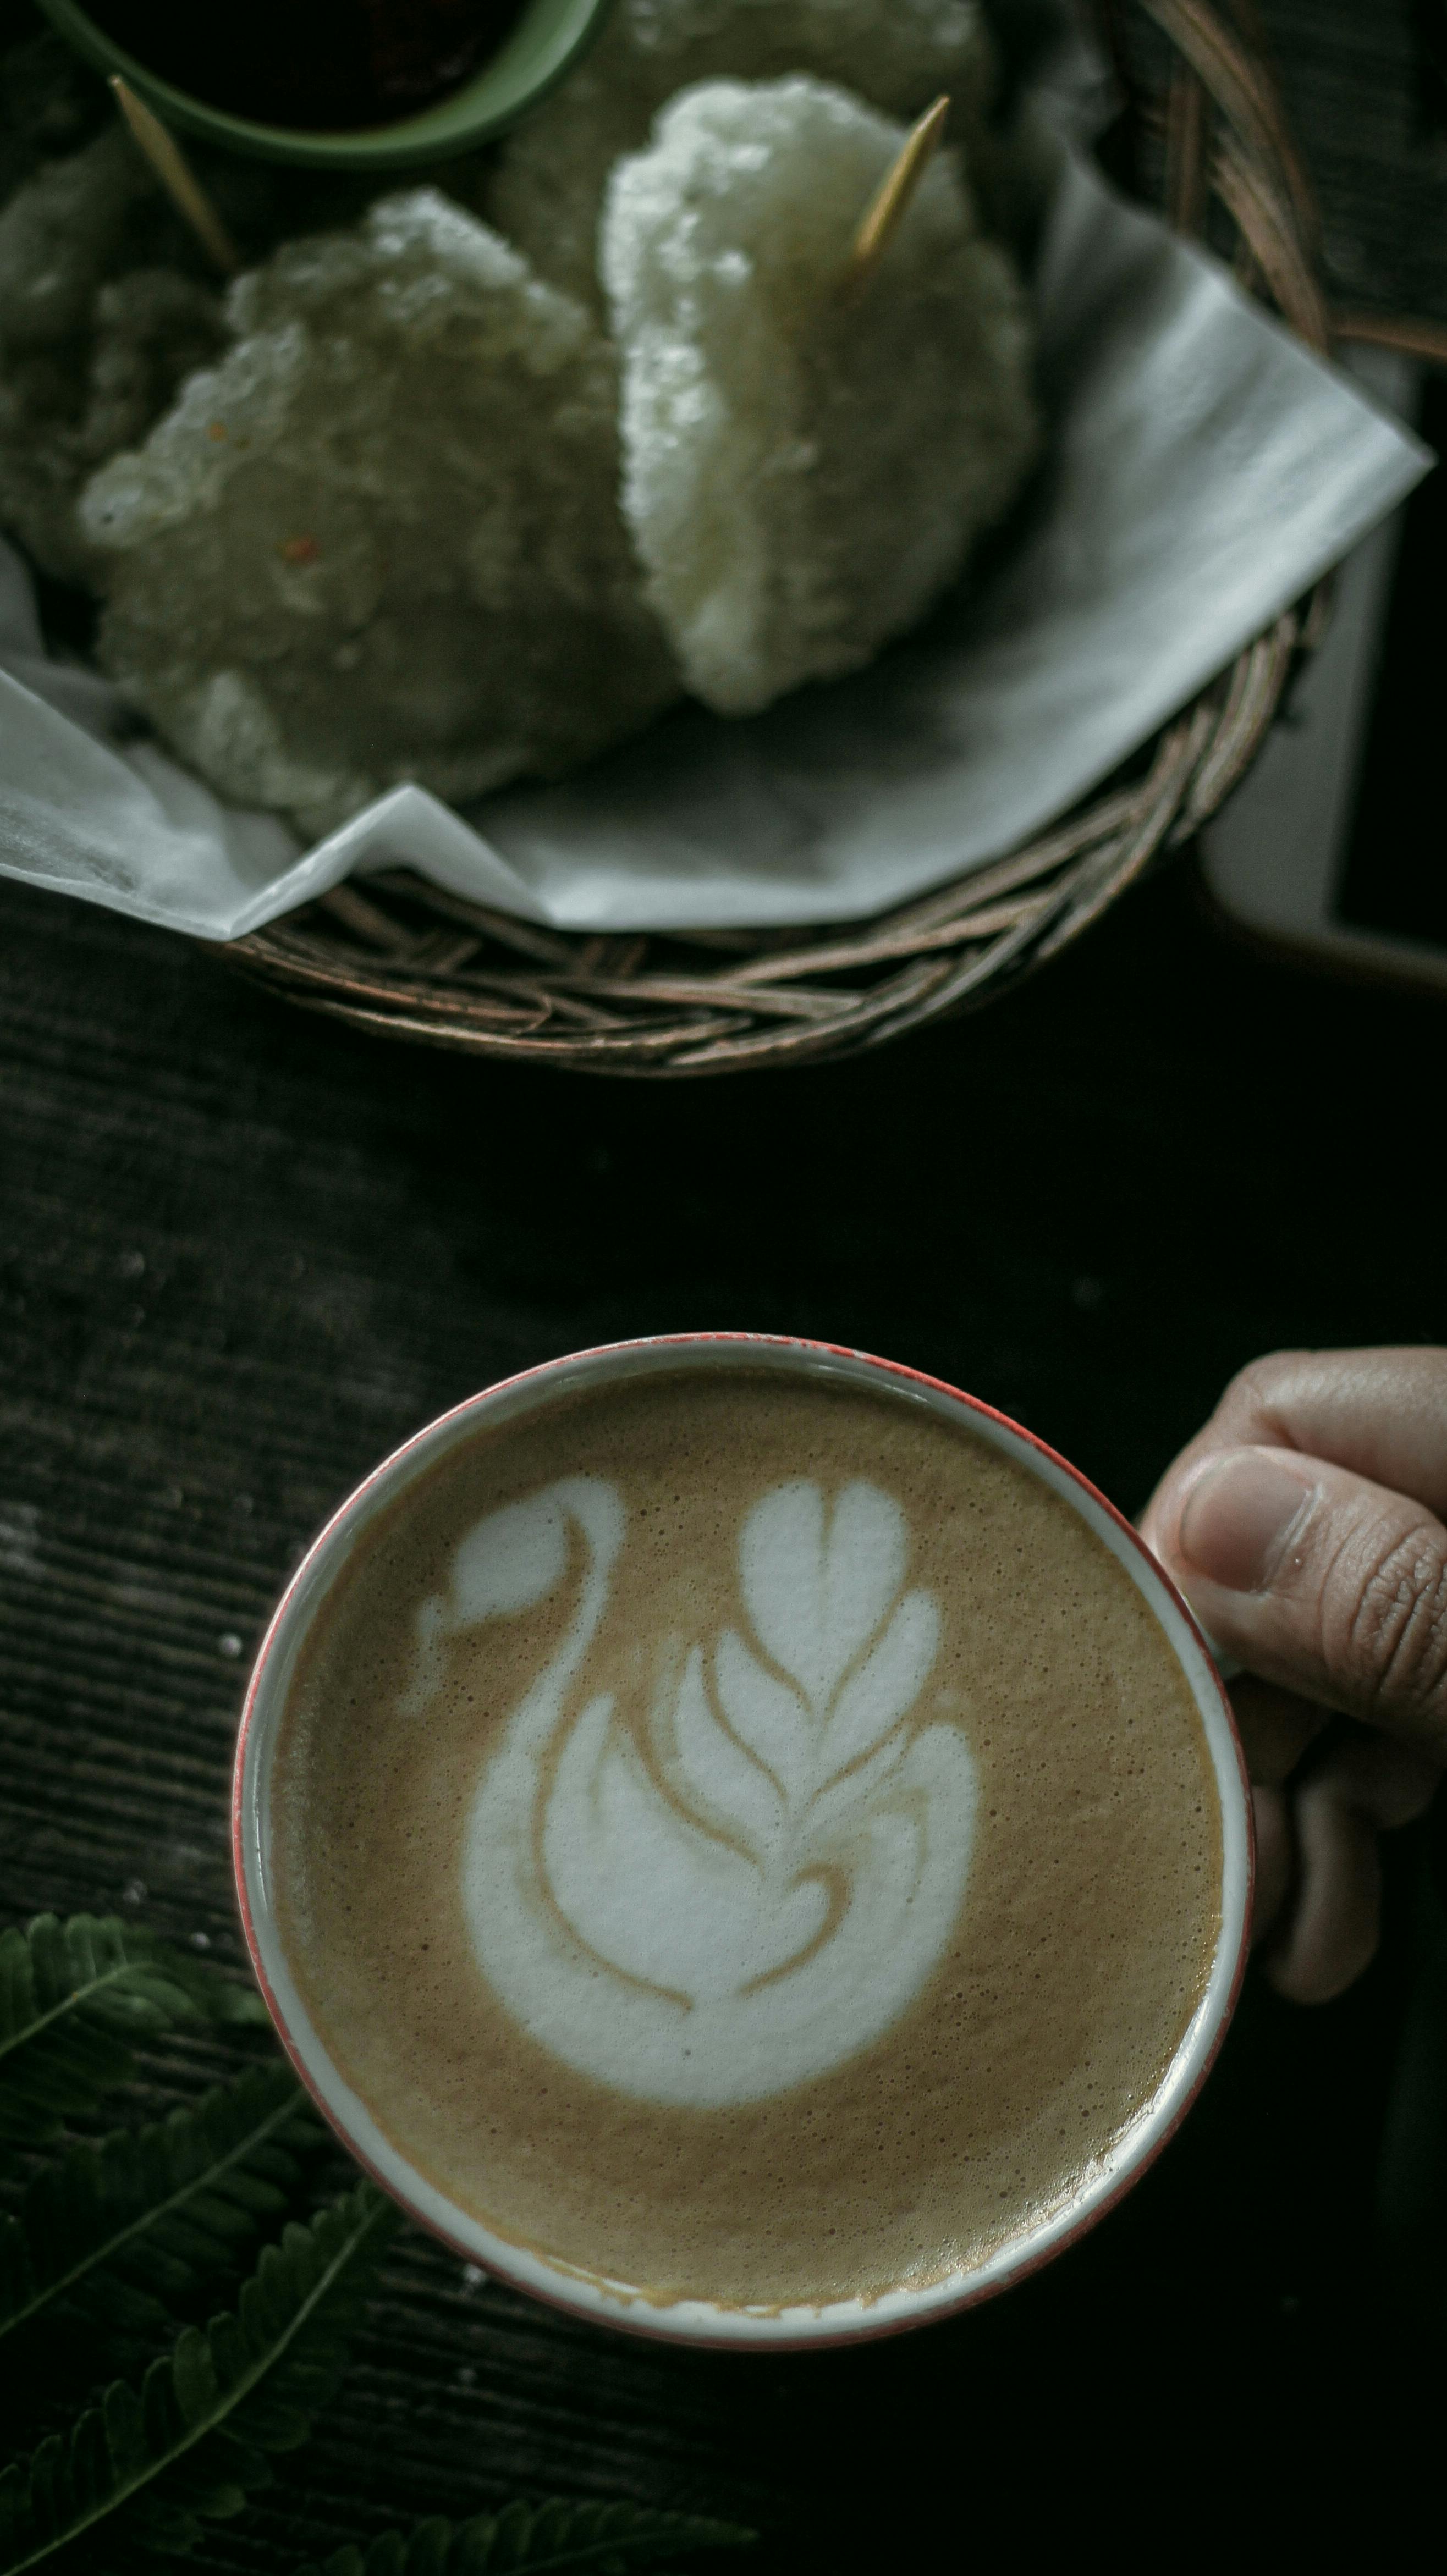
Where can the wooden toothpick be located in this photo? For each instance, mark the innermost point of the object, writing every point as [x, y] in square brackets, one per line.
[177, 177]
[891, 202]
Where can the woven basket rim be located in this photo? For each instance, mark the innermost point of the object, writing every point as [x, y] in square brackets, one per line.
[404, 959]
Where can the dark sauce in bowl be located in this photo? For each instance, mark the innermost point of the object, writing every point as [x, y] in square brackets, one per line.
[315, 64]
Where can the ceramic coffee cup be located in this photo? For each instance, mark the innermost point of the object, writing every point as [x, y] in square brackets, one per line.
[696, 2320]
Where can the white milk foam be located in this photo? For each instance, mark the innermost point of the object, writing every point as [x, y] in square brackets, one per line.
[753, 1884]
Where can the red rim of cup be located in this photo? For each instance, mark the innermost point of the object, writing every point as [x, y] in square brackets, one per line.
[590, 2296]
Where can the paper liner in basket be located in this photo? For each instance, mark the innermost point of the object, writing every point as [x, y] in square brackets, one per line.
[1204, 469]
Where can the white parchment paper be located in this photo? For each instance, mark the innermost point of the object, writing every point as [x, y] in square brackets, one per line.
[1204, 468]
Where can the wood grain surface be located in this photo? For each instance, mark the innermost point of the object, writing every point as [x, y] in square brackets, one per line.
[244, 1253]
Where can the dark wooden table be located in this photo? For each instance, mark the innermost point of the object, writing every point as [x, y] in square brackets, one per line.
[244, 1253]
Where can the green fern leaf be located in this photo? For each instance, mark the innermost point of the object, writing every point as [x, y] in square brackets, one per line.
[119, 2229]
[74, 1996]
[604, 2539]
[139, 2472]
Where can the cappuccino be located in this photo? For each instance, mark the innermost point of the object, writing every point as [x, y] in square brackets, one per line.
[745, 1838]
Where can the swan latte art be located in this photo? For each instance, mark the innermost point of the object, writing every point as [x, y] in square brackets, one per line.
[744, 1837]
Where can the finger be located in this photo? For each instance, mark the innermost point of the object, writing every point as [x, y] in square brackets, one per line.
[1380, 1413]
[1275, 1727]
[1318, 1868]
[1386, 1783]
[1332, 1925]
[1314, 1578]
[1275, 1860]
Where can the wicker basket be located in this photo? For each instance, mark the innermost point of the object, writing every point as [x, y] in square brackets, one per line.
[410, 961]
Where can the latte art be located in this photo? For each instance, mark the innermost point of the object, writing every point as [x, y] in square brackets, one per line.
[753, 1879]
[743, 1838]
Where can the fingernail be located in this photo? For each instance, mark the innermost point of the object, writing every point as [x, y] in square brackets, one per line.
[1239, 1517]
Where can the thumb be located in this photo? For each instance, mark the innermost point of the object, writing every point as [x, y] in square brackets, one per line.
[1317, 1579]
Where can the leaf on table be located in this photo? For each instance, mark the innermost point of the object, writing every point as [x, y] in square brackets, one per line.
[122, 2231]
[75, 1996]
[137, 2474]
[605, 2539]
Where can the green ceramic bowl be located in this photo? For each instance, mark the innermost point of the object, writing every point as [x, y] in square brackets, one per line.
[546, 40]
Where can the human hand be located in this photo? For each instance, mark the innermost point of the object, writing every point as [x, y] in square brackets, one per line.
[1305, 1525]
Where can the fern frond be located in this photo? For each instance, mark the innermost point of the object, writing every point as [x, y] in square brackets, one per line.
[604, 2539]
[74, 1996]
[140, 2219]
[139, 2472]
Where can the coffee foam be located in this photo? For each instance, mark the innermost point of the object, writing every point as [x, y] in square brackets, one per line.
[755, 1881]
[736, 1873]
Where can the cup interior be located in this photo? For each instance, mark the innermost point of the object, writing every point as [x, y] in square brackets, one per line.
[541, 48]
[614, 2303]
